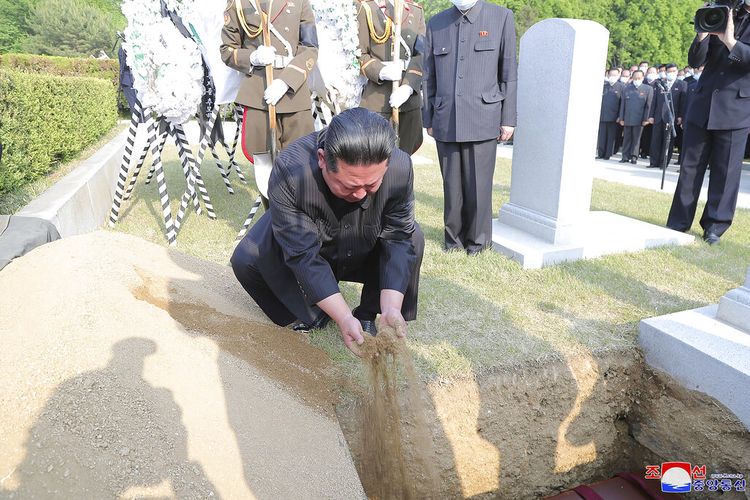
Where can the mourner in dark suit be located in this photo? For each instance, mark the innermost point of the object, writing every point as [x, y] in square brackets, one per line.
[716, 129]
[634, 110]
[470, 102]
[341, 209]
[675, 91]
[611, 97]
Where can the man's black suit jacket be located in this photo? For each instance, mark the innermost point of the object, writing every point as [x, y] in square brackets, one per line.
[311, 239]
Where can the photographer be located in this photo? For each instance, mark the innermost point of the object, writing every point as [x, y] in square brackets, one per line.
[716, 126]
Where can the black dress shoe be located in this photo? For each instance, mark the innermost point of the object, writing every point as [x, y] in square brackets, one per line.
[368, 326]
[634, 160]
[711, 238]
[319, 323]
[624, 160]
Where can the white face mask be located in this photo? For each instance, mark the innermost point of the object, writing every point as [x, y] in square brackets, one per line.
[624, 79]
[671, 77]
[464, 5]
[651, 77]
[662, 75]
[697, 76]
[643, 68]
[680, 78]
[612, 80]
[637, 83]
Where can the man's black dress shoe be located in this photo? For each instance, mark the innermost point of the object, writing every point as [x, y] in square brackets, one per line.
[634, 160]
[319, 323]
[624, 160]
[711, 238]
[368, 326]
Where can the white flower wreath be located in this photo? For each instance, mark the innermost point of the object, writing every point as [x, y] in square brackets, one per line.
[167, 67]
[338, 39]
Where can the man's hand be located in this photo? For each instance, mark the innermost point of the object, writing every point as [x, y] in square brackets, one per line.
[393, 318]
[621, 122]
[275, 92]
[262, 56]
[646, 123]
[728, 36]
[400, 96]
[429, 131]
[506, 133]
[391, 72]
[650, 121]
[679, 121]
[351, 333]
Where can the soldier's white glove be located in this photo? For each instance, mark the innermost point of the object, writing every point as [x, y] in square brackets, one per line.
[391, 72]
[263, 56]
[400, 96]
[275, 92]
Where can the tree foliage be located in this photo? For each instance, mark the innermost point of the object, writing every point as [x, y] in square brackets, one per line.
[59, 27]
[658, 31]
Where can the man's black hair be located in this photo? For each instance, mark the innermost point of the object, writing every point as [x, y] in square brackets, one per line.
[644, 62]
[637, 71]
[358, 137]
[672, 65]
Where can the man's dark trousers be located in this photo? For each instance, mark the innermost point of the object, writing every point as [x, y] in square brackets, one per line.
[467, 169]
[295, 307]
[607, 138]
[723, 150]
[657, 144]
[631, 141]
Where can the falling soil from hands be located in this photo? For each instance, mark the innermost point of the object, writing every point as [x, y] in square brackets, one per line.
[388, 471]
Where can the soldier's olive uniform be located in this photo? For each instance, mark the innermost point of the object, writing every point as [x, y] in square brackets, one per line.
[242, 34]
[377, 93]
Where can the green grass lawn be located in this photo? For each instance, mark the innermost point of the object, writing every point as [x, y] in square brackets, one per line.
[478, 314]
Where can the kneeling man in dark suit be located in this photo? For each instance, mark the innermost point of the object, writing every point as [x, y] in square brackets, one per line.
[341, 209]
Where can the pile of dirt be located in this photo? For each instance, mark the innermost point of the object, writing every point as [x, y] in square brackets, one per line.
[129, 370]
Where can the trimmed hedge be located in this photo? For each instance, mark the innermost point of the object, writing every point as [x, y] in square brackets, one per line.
[47, 119]
[107, 69]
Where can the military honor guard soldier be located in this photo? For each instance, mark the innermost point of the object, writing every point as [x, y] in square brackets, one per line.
[376, 28]
[293, 53]
[635, 107]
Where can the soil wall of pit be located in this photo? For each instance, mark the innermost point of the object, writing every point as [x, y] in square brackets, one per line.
[542, 429]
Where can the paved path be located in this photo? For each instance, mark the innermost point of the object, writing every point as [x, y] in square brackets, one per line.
[647, 178]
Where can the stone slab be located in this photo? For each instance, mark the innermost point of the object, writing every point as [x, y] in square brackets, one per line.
[702, 353]
[734, 307]
[603, 233]
[79, 203]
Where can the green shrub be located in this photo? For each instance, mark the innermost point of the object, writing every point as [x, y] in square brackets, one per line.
[46, 119]
[107, 69]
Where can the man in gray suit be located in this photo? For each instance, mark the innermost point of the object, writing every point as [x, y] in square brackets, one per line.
[470, 77]
[635, 107]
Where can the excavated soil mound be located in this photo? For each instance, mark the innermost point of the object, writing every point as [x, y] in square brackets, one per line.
[128, 370]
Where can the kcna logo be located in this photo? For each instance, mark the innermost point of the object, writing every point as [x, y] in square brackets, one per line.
[676, 477]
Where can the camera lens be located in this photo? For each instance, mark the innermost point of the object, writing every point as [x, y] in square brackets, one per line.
[713, 20]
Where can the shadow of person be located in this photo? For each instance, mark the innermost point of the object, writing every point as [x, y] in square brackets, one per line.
[109, 433]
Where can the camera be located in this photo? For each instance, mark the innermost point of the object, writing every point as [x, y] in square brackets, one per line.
[715, 17]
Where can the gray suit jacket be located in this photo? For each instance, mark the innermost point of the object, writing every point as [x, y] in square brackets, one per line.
[635, 104]
[470, 73]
